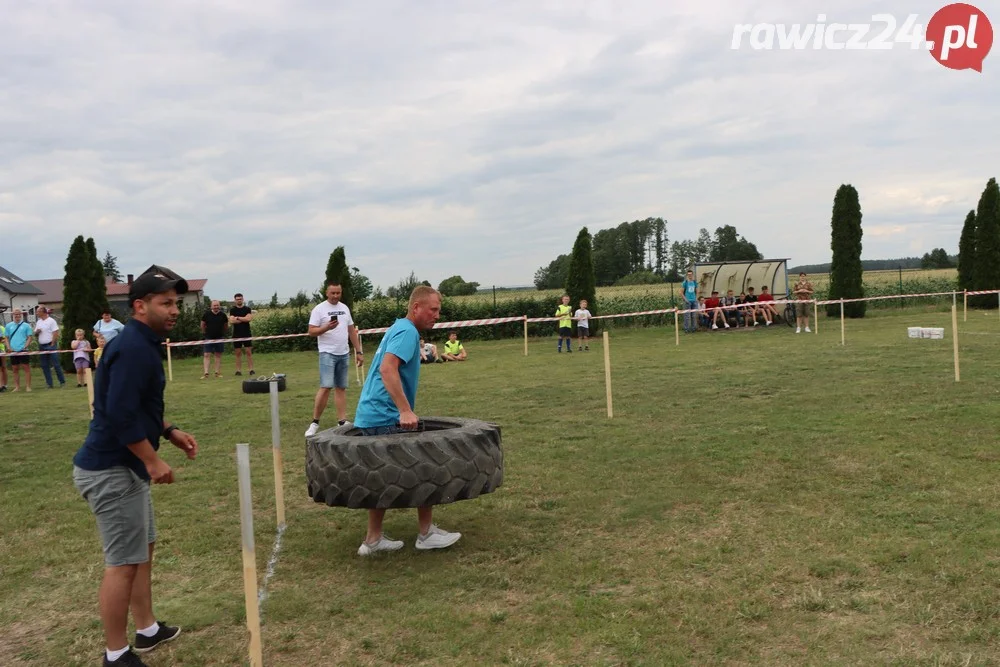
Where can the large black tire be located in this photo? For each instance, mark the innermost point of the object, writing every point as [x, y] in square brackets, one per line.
[262, 386]
[452, 459]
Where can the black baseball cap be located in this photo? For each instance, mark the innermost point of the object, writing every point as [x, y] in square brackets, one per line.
[156, 281]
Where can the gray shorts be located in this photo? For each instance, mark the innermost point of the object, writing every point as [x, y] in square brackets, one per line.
[120, 500]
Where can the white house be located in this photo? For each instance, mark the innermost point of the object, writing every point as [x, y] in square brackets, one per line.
[17, 293]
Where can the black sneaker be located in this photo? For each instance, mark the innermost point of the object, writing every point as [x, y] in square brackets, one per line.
[166, 633]
[129, 659]
[239, 373]
[252, 373]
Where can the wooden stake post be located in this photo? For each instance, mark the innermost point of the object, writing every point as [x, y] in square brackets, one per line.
[88, 376]
[965, 305]
[954, 337]
[842, 340]
[170, 363]
[815, 317]
[249, 555]
[525, 335]
[279, 484]
[607, 373]
[677, 329]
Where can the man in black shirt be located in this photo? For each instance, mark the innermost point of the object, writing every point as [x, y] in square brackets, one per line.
[240, 316]
[751, 309]
[118, 460]
[214, 324]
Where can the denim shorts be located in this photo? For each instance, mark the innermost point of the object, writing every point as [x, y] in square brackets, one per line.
[382, 430]
[333, 370]
[214, 347]
[120, 500]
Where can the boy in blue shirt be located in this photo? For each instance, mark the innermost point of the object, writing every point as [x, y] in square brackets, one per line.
[386, 407]
[690, 291]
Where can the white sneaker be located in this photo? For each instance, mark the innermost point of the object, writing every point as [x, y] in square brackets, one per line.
[798, 329]
[437, 539]
[383, 544]
[808, 330]
[727, 325]
[715, 326]
[312, 430]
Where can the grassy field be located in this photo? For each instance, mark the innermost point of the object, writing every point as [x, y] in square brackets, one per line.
[759, 498]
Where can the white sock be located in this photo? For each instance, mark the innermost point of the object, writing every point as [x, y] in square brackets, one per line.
[150, 631]
[114, 655]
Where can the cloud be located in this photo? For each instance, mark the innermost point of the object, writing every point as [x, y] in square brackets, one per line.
[243, 142]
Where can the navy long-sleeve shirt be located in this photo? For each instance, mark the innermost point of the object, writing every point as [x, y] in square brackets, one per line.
[128, 401]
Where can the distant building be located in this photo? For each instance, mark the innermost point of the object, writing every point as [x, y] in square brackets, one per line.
[50, 293]
[17, 293]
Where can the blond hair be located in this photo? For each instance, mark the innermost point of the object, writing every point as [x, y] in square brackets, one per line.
[420, 294]
[78, 332]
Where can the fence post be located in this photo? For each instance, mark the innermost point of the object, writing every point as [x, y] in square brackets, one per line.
[677, 329]
[607, 372]
[170, 363]
[279, 484]
[842, 322]
[954, 336]
[525, 335]
[89, 378]
[249, 555]
[965, 305]
[815, 317]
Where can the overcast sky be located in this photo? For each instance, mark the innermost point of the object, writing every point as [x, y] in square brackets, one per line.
[242, 141]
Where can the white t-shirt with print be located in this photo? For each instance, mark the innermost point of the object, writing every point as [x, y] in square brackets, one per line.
[334, 341]
[45, 328]
[582, 314]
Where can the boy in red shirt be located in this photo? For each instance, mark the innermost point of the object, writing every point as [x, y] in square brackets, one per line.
[712, 305]
[766, 307]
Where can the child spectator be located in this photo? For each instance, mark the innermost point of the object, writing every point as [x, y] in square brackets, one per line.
[713, 305]
[582, 316]
[565, 314]
[453, 349]
[99, 339]
[702, 313]
[766, 307]
[81, 357]
[751, 300]
[428, 353]
[731, 312]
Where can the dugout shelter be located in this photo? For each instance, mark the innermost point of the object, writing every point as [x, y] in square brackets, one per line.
[737, 276]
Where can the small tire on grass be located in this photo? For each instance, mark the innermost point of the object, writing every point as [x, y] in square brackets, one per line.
[262, 385]
[452, 459]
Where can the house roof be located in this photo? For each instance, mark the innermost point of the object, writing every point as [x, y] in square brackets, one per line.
[121, 289]
[14, 285]
[52, 290]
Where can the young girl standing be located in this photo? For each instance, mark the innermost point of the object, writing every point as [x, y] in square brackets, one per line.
[81, 357]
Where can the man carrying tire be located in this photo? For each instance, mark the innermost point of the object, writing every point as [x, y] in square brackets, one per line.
[386, 407]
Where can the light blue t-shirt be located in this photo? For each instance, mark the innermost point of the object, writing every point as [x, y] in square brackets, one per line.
[376, 407]
[690, 288]
[108, 329]
[17, 334]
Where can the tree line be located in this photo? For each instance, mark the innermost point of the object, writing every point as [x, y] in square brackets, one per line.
[979, 247]
[639, 252]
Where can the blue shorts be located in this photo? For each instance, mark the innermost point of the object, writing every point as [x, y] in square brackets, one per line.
[214, 347]
[382, 430]
[333, 370]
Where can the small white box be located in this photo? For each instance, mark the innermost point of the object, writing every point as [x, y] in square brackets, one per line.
[933, 333]
[913, 332]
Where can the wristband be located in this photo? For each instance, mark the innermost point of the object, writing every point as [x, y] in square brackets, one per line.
[168, 430]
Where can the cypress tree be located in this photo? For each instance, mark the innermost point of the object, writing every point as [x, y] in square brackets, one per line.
[986, 270]
[967, 252]
[846, 270]
[337, 271]
[581, 282]
[98, 285]
[79, 310]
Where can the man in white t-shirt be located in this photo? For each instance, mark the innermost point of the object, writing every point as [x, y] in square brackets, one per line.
[582, 317]
[331, 324]
[47, 331]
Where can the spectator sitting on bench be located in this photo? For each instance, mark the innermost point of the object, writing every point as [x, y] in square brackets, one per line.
[732, 314]
[429, 353]
[453, 349]
[712, 306]
[702, 313]
[750, 312]
[766, 307]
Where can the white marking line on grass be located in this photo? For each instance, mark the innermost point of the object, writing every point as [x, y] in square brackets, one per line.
[271, 564]
[979, 333]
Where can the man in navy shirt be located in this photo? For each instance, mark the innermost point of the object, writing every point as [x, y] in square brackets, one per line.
[119, 459]
[386, 407]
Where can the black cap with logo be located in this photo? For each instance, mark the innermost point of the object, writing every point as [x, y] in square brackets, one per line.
[157, 280]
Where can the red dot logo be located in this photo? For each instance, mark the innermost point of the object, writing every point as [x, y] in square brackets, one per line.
[960, 36]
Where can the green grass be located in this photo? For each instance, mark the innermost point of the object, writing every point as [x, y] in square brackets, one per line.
[758, 498]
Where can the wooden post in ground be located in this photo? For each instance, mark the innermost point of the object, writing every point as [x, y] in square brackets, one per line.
[607, 373]
[954, 337]
[525, 335]
[88, 376]
[965, 305]
[249, 555]
[279, 478]
[170, 363]
[842, 340]
[815, 317]
[677, 329]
